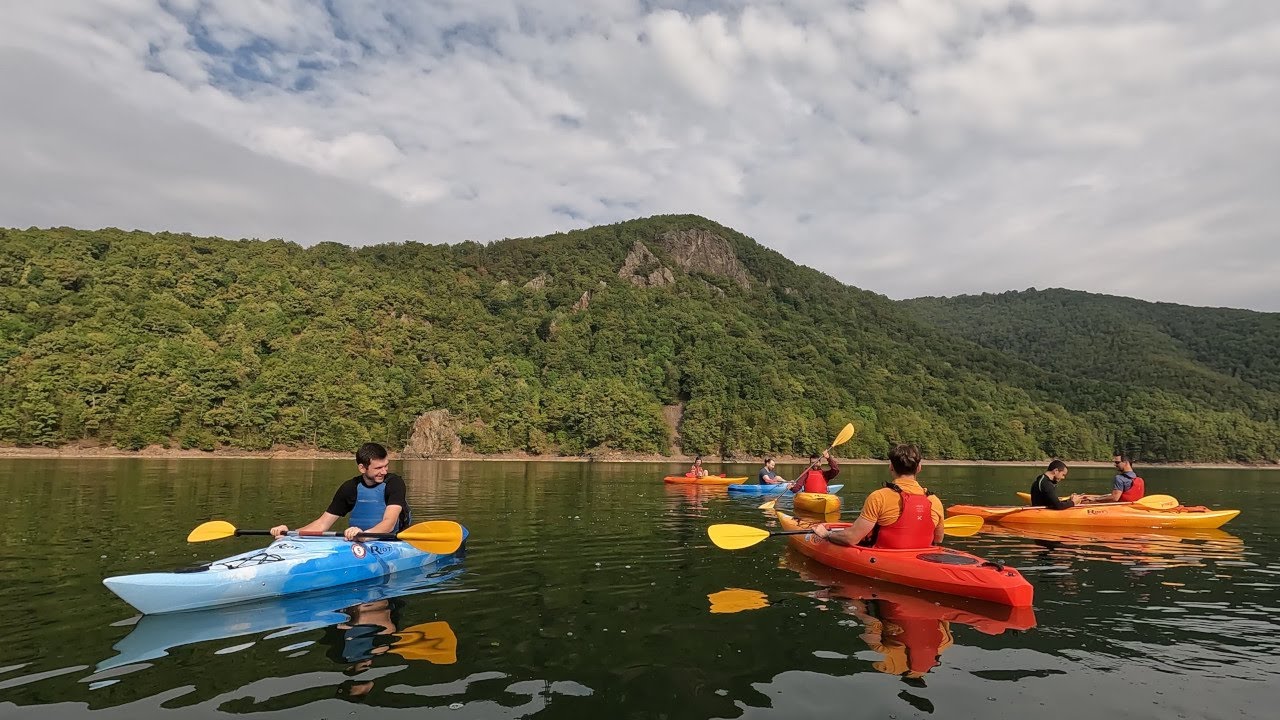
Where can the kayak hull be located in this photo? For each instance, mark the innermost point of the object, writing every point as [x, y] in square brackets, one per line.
[816, 503]
[775, 489]
[709, 480]
[287, 566]
[1119, 515]
[779, 488]
[154, 635]
[937, 569]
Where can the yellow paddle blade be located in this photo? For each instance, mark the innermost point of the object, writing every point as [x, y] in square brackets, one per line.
[737, 600]
[432, 641]
[212, 530]
[1158, 502]
[845, 434]
[962, 525]
[434, 536]
[768, 504]
[735, 537]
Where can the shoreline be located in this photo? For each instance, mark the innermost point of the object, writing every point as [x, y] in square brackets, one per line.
[78, 452]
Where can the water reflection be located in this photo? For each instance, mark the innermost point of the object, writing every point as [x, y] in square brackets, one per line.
[909, 629]
[1141, 549]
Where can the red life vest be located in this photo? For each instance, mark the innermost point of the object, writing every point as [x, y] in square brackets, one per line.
[1136, 491]
[914, 526]
[813, 482]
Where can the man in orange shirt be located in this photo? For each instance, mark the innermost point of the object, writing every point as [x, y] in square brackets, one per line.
[900, 515]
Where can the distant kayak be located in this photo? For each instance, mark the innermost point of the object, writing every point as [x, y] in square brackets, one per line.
[770, 489]
[708, 480]
[937, 568]
[287, 566]
[1102, 515]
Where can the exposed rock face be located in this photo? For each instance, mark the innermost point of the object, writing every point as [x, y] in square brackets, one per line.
[702, 251]
[673, 414]
[433, 435]
[583, 303]
[538, 283]
[642, 268]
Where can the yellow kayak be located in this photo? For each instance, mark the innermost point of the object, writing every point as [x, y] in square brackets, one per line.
[817, 503]
[1118, 515]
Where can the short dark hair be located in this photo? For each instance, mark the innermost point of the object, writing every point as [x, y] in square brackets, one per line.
[1124, 457]
[905, 459]
[814, 457]
[1056, 465]
[768, 460]
[369, 452]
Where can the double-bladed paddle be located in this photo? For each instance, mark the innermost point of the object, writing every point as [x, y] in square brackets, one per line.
[1149, 502]
[440, 537]
[735, 537]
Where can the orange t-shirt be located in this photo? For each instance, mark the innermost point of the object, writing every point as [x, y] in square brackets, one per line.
[883, 506]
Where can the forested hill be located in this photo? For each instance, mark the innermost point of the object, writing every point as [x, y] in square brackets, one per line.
[1217, 357]
[669, 334]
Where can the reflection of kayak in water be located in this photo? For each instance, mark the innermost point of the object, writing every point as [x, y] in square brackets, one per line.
[154, 635]
[910, 629]
[1164, 547]
[987, 617]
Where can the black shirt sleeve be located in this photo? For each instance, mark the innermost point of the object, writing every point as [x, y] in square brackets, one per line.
[345, 498]
[396, 493]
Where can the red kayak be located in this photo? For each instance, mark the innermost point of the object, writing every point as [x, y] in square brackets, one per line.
[939, 569]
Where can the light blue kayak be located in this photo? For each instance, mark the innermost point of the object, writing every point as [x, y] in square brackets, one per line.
[287, 566]
[154, 635]
[771, 489]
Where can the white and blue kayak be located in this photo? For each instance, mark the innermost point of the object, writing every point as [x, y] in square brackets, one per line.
[774, 489]
[289, 565]
[154, 635]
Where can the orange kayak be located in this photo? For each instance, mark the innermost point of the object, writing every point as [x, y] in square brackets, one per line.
[939, 569]
[708, 480]
[1118, 515]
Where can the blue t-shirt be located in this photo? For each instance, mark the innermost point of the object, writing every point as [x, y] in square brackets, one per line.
[768, 477]
[1124, 481]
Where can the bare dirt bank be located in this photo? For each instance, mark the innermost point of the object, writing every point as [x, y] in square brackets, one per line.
[156, 451]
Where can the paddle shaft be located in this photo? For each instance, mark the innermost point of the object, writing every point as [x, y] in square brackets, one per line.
[319, 533]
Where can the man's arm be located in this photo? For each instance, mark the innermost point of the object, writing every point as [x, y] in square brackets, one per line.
[320, 524]
[386, 525]
[833, 467]
[849, 536]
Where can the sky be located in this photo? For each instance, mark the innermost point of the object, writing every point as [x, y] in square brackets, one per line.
[909, 147]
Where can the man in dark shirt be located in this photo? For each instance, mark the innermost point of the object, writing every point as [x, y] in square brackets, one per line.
[375, 498]
[768, 475]
[1044, 491]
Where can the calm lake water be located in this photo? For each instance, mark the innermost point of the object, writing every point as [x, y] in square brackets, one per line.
[592, 591]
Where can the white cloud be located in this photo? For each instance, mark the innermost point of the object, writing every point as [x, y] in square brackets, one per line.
[905, 146]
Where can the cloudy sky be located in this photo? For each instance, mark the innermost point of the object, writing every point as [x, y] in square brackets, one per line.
[911, 147]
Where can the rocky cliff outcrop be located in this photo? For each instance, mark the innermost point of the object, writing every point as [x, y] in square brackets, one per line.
[433, 436]
[703, 251]
[643, 269]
